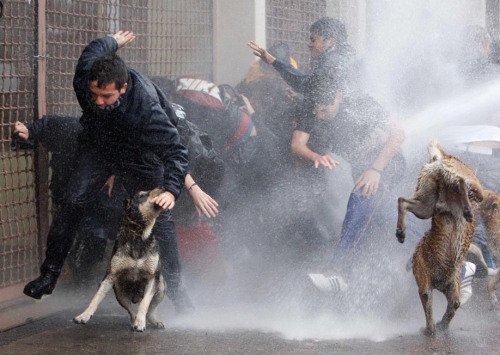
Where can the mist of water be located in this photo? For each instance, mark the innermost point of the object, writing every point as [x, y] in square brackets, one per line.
[410, 71]
[410, 48]
[409, 43]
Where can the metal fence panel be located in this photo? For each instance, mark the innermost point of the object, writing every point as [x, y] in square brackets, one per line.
[19, 253]
[173, 38]
[289, 21]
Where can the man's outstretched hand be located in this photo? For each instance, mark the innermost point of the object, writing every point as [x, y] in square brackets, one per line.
[123, 38]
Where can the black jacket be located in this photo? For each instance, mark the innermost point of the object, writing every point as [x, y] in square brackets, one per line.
[330, 73]
[58, 135]
[136, 135]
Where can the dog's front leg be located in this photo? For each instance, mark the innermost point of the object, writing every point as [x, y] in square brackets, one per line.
[140, 319]
[422, 207]
[463, 190]
[103, 290]
[401, 226]
[158, 297]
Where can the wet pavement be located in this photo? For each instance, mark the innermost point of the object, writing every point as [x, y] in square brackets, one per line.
[249, 328]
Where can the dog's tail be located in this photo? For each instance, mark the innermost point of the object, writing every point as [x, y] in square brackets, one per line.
[435, 151]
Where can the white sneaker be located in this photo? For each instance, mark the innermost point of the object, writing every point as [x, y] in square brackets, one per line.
[492, 272]
[466, 282]
[335, 284]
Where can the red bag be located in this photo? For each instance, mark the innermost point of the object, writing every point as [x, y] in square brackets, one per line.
[200, 254]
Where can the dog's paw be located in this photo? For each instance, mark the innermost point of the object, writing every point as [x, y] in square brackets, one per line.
[158, 325]
[155, 323]
[139, 325]
[442, 326]
[401, 235]
[428, 331]
[82, 318]
[468, 215]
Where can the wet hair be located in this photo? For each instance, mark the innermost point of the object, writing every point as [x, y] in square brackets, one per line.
[107, 69]
[328, 27]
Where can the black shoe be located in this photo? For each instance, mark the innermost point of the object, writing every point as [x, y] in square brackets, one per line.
[43, 285]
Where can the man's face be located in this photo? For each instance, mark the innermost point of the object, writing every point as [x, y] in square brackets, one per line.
[317, 45]
[107, 95]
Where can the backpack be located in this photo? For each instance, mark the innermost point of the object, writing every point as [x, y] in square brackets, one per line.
[216, 110]
[201, 92]
[205, 166]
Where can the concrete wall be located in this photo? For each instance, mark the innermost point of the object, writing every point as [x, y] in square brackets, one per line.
[237, 23]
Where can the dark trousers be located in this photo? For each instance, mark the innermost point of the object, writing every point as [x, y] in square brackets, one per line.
[91, 172]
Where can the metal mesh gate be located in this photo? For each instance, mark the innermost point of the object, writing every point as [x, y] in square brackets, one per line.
[172, 38]
[41, 42]
[289, 21]
[19, 235]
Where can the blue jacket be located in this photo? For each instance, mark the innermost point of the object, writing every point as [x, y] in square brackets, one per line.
[137, 134]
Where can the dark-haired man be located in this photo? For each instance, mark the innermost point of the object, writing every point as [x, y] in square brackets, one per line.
[126, 132]
[335, 118]
[331, 60]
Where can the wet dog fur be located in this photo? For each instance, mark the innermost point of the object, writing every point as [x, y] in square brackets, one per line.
[134, 271]
[489, 212]
[445, 189]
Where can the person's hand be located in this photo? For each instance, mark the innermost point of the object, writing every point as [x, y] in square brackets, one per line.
[324, 160]
[203, 202]
[22, 130]
[123, 38]
[164, 200]
[109, 185]
[293, 96]
[261, 53]
[368, 183]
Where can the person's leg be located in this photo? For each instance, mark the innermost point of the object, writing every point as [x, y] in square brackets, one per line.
[88, 251]
[89, 176]
[101, 223]
[355, 228]
[164, 231]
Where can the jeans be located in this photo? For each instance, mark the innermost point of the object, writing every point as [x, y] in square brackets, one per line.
[356, 226]
[362, 214]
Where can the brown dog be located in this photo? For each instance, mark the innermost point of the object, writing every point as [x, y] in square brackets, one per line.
[489, 210]
[134, 271]
[444, 192]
